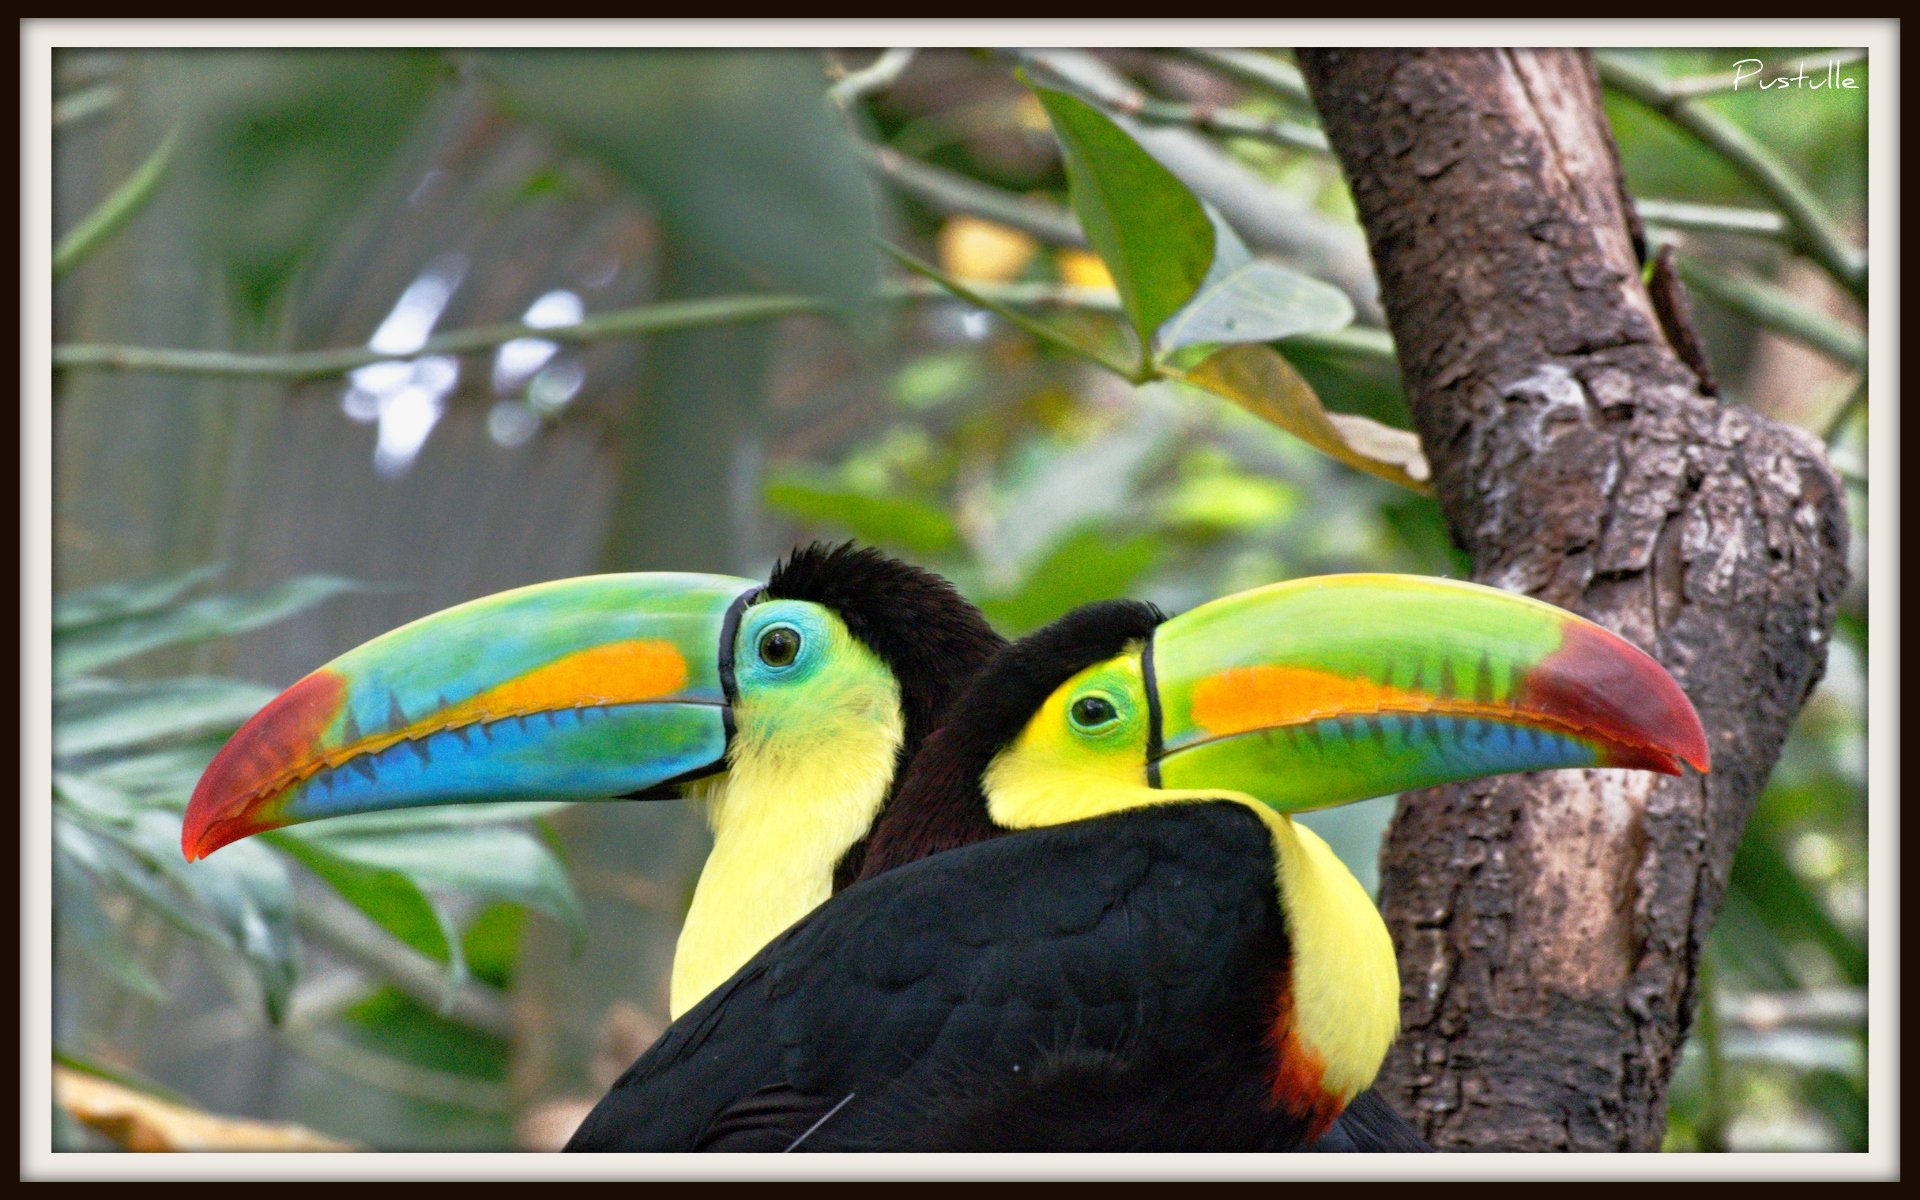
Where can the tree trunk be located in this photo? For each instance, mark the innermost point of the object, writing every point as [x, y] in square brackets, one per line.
[1550, 926]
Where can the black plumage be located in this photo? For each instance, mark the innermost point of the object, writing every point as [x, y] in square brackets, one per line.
[1107, 965]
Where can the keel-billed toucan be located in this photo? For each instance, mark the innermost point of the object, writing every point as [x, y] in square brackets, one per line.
[1157, 955]
[789, 707]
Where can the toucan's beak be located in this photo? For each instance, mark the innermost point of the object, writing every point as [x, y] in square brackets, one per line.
[582, 689]
[1321, 691]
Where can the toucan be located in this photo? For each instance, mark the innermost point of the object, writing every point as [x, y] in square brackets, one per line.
[788, 707]
[1146, 950]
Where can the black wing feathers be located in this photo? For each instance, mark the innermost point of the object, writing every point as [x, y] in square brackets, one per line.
[958, 978]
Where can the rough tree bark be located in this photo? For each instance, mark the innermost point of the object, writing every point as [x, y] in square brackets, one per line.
[1550, 926]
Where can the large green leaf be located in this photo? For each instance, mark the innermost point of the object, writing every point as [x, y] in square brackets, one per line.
[282, 145]
[96, 645]
[901, 521]
[735, 150]
[127, 715]
[1151, 231]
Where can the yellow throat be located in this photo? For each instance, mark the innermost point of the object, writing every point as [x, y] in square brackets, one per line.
[790, 805]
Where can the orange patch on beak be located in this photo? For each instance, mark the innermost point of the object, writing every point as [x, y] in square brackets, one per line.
[1267, 697]
[616, 673]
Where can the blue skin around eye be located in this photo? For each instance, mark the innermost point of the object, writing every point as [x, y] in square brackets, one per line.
[803, 618]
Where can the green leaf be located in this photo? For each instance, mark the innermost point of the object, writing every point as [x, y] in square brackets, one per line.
[123, 1076]
[492, 862]
[240, 903]
[141, 714]
[388, 897]
[444, 816]
[736, 151]
[1054, 489]
[1266, 385]
[115, 601]
[899, 521]
[121, 205]
[249, 893]
[397, 1027]
[79, 869]
[1230, 502]
[1151, 231]
[1092, 564]
[163, 776]
[282, 147]
[105, 642]
[1242, 300]
[492, 943]
[1257, 302]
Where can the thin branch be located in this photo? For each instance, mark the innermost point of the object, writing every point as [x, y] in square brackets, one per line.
[1224, 121]
[1264, 71]
[1773, 308]
[321, 364]
[876, 76]
[1713, 218]
[398, 1078]
[1713, 1121]
[951, 192]
[1726, 81]
[1040, 330]
[344, 932]
[1839, 1009]
[1355, 341]
[609, 326]
[1843, 416]
[1817, 233]
[115, 211]
[85, 104]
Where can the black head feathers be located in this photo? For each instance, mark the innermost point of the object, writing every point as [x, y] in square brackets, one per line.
[939, 804]
[917, 623]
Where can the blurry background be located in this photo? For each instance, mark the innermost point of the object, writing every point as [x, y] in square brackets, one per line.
[226, 522]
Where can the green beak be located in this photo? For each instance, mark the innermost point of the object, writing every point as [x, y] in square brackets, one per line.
[1322, 691]
[603, 687]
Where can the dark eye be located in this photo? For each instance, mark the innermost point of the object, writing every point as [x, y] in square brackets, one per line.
[779, 646]
[1092, 712]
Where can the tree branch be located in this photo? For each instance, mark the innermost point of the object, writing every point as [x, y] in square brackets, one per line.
[1119, 96]
[1769, 306]
[601, 327]
[1818, 235]
[876, 76]
[1260, 70]
[1550, 927]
